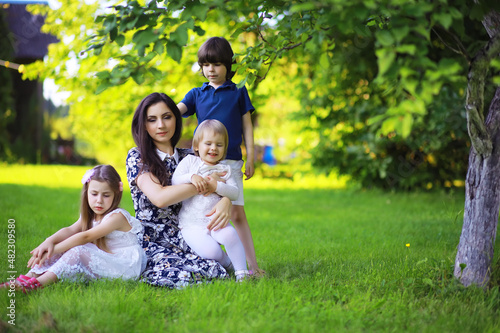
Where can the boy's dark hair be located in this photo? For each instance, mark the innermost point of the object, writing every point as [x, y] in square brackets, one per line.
[214, 50]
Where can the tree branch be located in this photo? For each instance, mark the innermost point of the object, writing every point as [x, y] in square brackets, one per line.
[460, 49]
[480, 137]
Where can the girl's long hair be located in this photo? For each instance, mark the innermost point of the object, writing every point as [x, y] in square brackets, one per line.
[145, 143]
[102, 173]
[210, 125]
[214, 50]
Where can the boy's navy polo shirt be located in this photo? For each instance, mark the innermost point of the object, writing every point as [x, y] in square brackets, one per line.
[227, 104]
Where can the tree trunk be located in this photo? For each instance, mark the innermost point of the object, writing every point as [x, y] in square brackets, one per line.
[482, 204]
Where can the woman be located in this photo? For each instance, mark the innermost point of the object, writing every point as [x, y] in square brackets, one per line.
[156, 128]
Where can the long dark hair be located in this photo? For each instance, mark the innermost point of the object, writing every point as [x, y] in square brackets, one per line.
[214, 50]
[101, 173]
[145, 143]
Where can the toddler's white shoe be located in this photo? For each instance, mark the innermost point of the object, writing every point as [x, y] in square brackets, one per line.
[241, 275]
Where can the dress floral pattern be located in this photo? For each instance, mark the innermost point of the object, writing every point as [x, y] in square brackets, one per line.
[170, 261]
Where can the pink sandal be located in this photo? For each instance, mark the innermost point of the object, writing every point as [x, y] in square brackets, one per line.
[30, 284]
[24, 283]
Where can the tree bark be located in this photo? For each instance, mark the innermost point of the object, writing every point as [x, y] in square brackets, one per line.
[482, 204]
[482, 186]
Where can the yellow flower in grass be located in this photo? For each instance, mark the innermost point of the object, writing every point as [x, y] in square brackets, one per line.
[407, 244]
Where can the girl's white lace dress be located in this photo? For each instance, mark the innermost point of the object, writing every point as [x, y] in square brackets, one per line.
[87, 261]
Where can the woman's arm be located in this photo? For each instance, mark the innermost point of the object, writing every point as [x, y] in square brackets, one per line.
[163, 196]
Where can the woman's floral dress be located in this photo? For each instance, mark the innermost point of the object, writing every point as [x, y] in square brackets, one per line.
[170, 261]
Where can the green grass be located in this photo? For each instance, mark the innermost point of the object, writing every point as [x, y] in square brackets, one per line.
[336, 259]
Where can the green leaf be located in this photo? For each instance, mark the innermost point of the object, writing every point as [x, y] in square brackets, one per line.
[384, 37]
[375, 119]
[406, 125]
[149, 57]
[138, 77]
[103, 86]
[324, 61]
[385, 58]
[145, 37]
[444, 19]
[242, 82]
[157, 74]
[174, 51]
[400, 32]
[200, 32]
[407, 48]
[159, 46]
[109, 23]
[303, 7]
[103, 75]
[389, 125]
[180, 35]
[120, 40]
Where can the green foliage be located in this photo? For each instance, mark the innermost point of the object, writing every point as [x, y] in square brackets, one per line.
[7, 113]
[350, 79]
[336, 269]
[369, 74]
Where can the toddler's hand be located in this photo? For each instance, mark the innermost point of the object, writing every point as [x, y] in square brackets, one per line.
[218, 176]
[200, 183]
[211, 185]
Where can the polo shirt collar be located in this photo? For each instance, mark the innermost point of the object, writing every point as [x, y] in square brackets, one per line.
[206, 85]
[163, 155]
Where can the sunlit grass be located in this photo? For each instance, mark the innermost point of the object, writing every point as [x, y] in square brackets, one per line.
[337, 260]
[57, 176]
[53, 176]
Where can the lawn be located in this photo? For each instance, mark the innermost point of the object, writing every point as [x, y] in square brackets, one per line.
[338, 259]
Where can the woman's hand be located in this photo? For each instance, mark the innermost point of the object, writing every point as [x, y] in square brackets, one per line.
[221, 214]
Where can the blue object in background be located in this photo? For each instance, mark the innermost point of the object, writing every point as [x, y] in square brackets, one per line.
[268, 157]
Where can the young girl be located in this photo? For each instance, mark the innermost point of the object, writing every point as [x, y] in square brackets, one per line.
[103, 243]
[220, 99]
[210, 144]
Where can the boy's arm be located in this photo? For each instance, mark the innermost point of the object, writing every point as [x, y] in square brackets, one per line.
[182, 108]
[249, 145]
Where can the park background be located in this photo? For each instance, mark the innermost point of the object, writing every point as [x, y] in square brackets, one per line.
[358, 199]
